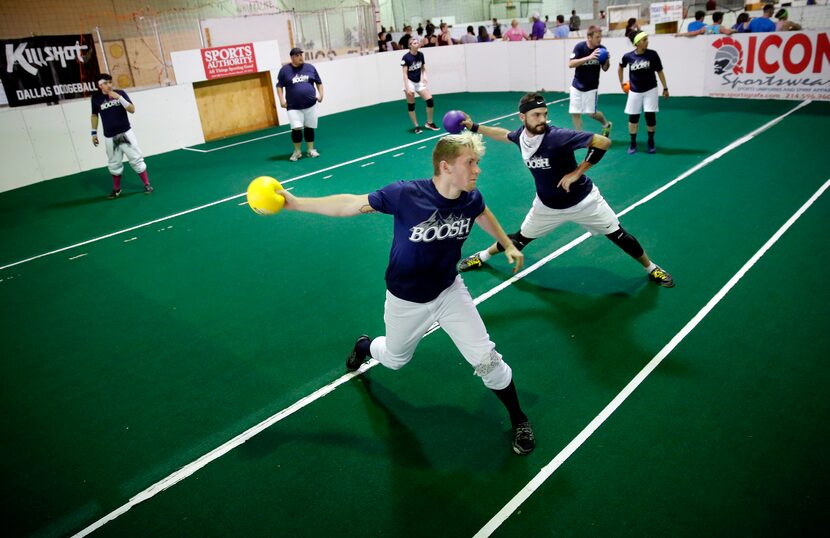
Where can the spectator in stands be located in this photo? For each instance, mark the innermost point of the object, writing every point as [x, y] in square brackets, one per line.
[741, 23]
[420, 32]
[407, 35]
[574, 23]
[763, 23]
[430, 40]
[697, 24]
[381, 41]
[430, 26]
[561, 30]
[470, 36]
[514, 33]
[716, 27]
[538, 30]
[391, 44]
[784, 24]
[602, 15]
[496, 29]
[632, 29]
[483, 36]
[445, 38]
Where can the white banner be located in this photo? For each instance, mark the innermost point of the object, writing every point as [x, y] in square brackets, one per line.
[666, 12]
[780, 65]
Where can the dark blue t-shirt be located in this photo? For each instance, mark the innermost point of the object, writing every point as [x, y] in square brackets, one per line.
[413, 65]
[643, 68]
[429, 232]
[299, 85]
[113, 115]
[761, 24]
[586, 76]
[552, 161]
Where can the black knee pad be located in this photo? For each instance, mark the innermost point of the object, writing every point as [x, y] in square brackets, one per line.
[651, 119]
[296, 135]
[519, 241]
[627, 242]
[634, 118]
[308, 133]
[430, 103]
[410, 107]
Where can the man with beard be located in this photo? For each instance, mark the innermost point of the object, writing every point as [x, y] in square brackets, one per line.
[298, 79]
[563, 192]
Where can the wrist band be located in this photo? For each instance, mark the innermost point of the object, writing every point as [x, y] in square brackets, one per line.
[474, 128]
[94, 133]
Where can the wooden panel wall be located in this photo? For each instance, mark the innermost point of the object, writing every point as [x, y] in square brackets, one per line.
[235, 105]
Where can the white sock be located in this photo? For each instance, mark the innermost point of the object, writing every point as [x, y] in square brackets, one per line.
[651, 267]
[484, 255]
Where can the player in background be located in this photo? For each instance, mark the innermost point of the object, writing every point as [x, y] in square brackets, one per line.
[563, 192]
[298, 79]
[432, 219]
[414, 70]
[585, 61]
[643, 64]
[112, 106]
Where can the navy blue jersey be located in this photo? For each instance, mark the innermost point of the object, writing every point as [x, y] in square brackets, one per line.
[641, 74]
[299, 85]
[429, 232]
[413, 65]
[113, 114]
[552, 161]
[586, 76]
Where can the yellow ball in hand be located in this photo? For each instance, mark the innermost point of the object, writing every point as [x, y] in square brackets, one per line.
[263, 197]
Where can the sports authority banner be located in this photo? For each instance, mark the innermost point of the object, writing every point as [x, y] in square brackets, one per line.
[666, 12]
[44, 69]
[229, 61]
[780, 65]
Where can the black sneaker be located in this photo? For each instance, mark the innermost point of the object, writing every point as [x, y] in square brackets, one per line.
[417, 130]
[470, 262]
[114, 194]
[148, 189]
[651, 148]
[431, 126]
[523, 440]
[661, 277]
[356, 358]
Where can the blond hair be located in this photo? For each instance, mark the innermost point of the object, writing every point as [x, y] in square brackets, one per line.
[450, 147]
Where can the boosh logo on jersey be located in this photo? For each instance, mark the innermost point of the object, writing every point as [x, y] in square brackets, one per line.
[770, 66]
[538, 163]
[439, 228]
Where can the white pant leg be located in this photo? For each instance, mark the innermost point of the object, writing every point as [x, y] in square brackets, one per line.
[133, 152]
[115, 157]
[460, 319]
[406, 323]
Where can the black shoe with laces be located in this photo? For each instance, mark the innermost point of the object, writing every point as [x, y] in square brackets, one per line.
[148, 189]
[417, 130]
[661, 277]
[523, 440]
[431, 127]
[356, 358]
[114, 194]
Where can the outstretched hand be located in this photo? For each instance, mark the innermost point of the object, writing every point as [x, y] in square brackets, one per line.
[290, 200]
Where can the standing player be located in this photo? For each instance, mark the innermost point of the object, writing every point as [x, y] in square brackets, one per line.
[563, 192]
[112, 105]
[642, 96]
[414, 69]
[433, 218]
[300, 99]
[584, 88]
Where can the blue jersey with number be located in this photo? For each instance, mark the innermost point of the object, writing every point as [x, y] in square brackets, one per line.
[552, 161]
[429, 232]
[642, 70]
[586, 76]
[299, 85]
[112, 112]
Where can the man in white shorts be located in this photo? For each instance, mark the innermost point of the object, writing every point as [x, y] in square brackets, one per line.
[563, 192]
[643, 64]
[433, 218]
[586, 60]
[112, 106]
[299, 80]
[414, 69]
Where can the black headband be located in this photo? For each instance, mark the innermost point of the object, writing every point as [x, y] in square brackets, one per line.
[530, 105]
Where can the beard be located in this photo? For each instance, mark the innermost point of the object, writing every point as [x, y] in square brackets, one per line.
[537, 130]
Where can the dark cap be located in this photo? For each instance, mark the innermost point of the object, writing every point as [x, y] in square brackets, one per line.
[295, 51]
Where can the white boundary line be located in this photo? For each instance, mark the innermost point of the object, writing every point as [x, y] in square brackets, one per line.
[632, 385]
[223, 449]
[234, 197]
[236, 143]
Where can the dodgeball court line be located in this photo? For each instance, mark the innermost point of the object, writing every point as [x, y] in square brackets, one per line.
[236, 143]
[638, 379]
[235, 196]
[226, 447]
